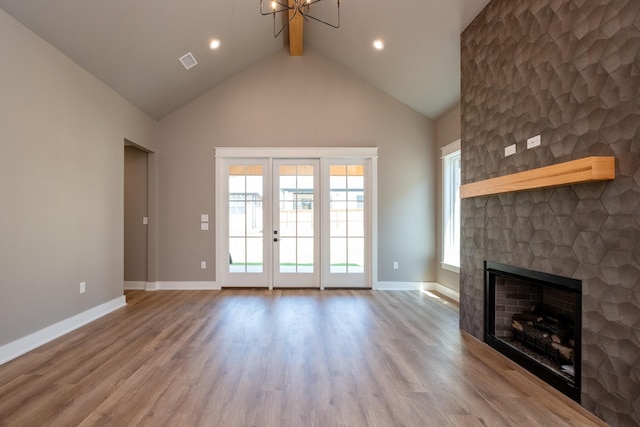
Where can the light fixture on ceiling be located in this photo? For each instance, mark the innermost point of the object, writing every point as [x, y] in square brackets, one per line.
[302, 7]
[214, 44]
[378, 44]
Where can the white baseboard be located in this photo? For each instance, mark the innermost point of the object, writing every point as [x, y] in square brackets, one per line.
[380, 286]
[397, 286]
[137, 286]
[23, 345]
[447, 292]
[418, 286]
[182, 286]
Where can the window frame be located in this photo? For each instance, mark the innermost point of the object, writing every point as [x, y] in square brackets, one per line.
[451, 206]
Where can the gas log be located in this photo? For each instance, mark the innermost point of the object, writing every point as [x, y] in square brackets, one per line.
[548, 334]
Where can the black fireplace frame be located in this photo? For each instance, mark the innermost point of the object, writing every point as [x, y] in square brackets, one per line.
[491, 270]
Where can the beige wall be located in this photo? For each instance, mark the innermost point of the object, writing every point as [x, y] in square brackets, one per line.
[135, 209]
[447, 131]
[61, 184]
[297, 101]
[62, 134]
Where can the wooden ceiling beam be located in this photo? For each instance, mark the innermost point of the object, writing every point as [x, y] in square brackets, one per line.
[295, 33]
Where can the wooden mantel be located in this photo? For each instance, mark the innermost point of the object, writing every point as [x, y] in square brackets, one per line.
[588, 169]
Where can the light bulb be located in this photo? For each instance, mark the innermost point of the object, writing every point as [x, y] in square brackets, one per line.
[378, 44]
[215, 43]
[273, 5]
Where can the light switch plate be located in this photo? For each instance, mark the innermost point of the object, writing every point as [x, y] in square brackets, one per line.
[204, 226]
[533, 142]
[145, 220]
[203, 265]
[510, 150]
[204, 218]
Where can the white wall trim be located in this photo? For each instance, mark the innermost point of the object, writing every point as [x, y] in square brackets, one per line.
[418, 286]
[450, 267]
[23, 345]
[446, 291]
[132, 285]
[183, 286]
[296, 152]
[397, 286]
[450, 148]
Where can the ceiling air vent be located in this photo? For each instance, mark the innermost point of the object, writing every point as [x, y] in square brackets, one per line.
[188, 61]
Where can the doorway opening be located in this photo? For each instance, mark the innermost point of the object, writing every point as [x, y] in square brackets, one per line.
[136, 217]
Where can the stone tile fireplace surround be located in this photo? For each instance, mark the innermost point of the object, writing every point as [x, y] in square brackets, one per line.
[567, 70]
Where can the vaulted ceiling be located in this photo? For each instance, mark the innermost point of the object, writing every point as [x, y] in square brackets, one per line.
[133, 46]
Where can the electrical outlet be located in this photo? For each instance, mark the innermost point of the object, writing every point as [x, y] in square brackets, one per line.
[510, 150]
[533, 142]
[204, 226]
[83, 287]
[203, 265]
[395, 265]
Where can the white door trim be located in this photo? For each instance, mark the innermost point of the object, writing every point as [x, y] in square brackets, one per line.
[296, 152]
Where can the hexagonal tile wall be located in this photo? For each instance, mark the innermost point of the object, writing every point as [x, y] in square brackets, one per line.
[566, 70]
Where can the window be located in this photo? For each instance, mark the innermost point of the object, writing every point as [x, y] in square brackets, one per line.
[451, 204]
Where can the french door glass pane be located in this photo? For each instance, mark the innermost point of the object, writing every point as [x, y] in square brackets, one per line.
[254, 262]
[305, 255]
[355, 248]
[338, 221]
[287, 255]
[296, 226]
[237, 263]
[346, 222]
[338, 255]
[355, 221]
[246, 186]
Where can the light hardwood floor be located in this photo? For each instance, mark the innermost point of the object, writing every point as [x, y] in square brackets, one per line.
[277, 358]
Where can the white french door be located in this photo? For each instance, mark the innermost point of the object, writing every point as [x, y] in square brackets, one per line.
[346, 223]
[243, 219]
[295, 222]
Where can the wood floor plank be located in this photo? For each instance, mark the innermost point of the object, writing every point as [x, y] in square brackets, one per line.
[277, 358]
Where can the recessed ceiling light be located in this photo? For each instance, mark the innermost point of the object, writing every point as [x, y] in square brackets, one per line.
[215, 43]
[378, 44]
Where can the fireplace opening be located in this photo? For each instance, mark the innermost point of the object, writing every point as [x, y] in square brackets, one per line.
[535, 319]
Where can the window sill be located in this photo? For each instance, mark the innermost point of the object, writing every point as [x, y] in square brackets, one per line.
[450, 267]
